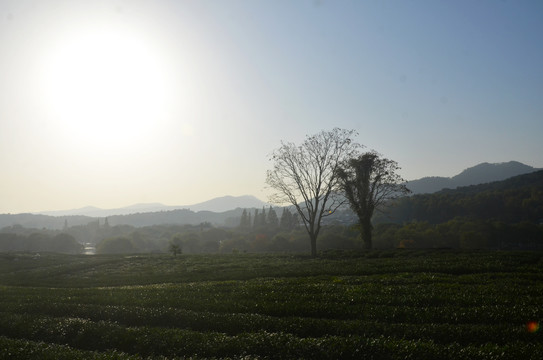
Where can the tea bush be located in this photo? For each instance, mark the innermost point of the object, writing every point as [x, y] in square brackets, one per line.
[398, 305]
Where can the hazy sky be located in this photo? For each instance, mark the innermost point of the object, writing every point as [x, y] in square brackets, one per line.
[111, 103]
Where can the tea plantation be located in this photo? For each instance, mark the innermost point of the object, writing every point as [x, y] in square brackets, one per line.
[342, 305]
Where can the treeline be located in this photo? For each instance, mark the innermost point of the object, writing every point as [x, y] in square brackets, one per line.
[259, 230]
[40, 242]
[268, 219]
[506, 215]
[455, 234]
[501, 215]
[205, 238]
[514, 200]
[460, 234]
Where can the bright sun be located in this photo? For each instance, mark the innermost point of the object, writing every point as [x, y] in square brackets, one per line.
[105, 88]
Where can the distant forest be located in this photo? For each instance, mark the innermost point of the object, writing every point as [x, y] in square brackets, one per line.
[500, 215]
[517, 199]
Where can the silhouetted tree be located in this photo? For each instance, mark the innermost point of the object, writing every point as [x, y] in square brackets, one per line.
[245, 221]
[256, 219]
[305, 176]
[262, 218]
[288, 220]
[272, 219]
[176, 244]
[175, 249]
[369, 181]
[64, 243]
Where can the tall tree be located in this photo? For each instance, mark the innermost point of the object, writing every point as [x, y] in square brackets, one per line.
[256, 219]
[245, 221]
[288, 220]
[262, 221]
[369, 182]
[272, 219]
[305, 176]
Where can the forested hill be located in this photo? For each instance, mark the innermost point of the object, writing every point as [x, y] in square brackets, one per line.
[478, 174]
[516, 199]
[176, 217]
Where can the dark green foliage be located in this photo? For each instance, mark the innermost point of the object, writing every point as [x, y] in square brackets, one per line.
[511, 201]
[401, 304]
[245, 221]
[288, 219]
[117, 245]
[271, 219]
[460, 233]
[262, 219]
[175, 247]
[40, 241]
[369, 182]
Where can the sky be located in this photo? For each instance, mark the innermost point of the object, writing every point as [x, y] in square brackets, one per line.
[113, 103]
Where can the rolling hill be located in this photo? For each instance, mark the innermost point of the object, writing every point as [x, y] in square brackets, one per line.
[219, 204]
[478, 174]
[513, 200]
[220, 211]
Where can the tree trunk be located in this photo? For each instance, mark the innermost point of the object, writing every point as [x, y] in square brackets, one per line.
[313, 241]
[366, 232]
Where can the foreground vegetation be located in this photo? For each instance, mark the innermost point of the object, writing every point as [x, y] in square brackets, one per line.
[401, 304]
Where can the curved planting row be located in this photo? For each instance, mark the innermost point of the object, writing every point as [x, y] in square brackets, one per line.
[151, 341]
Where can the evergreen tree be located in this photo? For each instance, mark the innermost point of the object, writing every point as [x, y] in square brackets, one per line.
[283, 221]
[245, 221]
[262, 220]
[287, 220]
[256, 219]
[272, 219]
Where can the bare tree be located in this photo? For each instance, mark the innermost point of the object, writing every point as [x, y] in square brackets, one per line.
[369, 183]
[306, 176]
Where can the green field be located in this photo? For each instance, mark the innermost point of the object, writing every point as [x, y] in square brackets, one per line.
[368, 305]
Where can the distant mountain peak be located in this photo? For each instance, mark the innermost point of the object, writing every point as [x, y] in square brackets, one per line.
[219, 204]
[479, 174]
[488, 172]
[228, 202]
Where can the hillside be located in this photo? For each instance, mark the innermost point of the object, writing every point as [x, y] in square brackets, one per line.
[36, 221]
[516, 199]
[478, 174]
[218, 204]
[172, 217]
[222, 211]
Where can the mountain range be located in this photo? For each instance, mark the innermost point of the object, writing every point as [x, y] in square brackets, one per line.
[219, 204]
[513, 200]
[478, 174]
[226, 210]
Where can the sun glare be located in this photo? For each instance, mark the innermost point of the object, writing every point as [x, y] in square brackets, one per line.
[105, 88]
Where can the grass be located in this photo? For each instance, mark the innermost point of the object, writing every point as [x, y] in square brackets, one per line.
[374, 305]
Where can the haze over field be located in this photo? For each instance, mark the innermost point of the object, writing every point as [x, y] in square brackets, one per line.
[110, 103]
